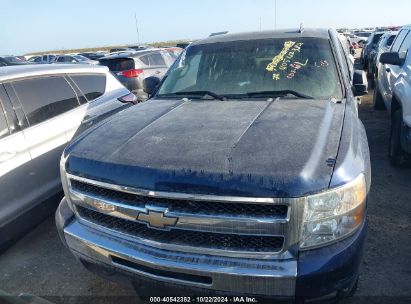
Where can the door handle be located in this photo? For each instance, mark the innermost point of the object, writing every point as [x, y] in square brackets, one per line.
[158, 72]
[5, 156]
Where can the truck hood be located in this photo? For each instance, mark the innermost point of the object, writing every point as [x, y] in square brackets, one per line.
[281, 148]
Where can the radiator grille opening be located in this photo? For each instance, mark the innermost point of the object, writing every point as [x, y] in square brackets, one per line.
[241, 210]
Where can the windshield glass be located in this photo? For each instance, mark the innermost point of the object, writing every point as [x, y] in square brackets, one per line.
[303, 65]
[13, 59]
[79, 57]
[376, 38]
[364, 34]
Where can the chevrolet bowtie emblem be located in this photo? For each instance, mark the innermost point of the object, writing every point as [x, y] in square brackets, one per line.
[157, 219]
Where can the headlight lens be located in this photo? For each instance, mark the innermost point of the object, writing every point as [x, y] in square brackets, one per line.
[334, 214]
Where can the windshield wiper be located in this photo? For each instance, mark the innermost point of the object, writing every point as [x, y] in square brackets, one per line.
[280, 93]
[201, 93]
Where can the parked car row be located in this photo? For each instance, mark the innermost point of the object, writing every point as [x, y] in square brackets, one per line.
[130, 67]
[393, 92]
[77, 59]
[7, 60]
[42, 59]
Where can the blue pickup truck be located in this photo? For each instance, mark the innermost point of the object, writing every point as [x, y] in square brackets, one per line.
[246, 173]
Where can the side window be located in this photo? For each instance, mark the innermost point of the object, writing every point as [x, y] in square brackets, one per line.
[144, 59]
[346, 59]
[45, 98]
[390, 40]
[156, 59]
[92, 86]
[397, 42]
[4, 129]
[60, 59]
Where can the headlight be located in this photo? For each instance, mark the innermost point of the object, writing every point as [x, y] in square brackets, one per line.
[334, 214]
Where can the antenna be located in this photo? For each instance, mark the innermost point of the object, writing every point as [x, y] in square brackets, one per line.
[138, 34]
[301, 30]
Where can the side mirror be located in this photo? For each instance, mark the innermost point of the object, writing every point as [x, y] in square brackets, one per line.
[151, 84]
[360, 83]
[391, 58]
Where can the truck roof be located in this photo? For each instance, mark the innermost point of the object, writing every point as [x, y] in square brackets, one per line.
[286, 33]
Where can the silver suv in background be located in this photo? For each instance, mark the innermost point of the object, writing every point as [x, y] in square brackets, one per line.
[393, 88]
[131, 68]
[42, 107]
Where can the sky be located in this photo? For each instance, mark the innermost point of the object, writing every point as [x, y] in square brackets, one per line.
[41, 25]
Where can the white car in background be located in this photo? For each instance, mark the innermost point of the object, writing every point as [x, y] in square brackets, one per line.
[42, 108]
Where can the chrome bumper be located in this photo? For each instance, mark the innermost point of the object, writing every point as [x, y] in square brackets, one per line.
[235, 275]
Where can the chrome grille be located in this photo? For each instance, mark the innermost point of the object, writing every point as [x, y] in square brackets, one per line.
[249, 243]
[224, 226]
[186, 206]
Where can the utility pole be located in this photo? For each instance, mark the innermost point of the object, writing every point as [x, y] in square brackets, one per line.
[138, 33]
[260, 24]
[275, 14]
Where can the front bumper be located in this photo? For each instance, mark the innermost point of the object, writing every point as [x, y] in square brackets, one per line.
[315, 273]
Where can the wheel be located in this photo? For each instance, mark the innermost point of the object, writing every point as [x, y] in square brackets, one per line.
[378, 102]
[398, 157]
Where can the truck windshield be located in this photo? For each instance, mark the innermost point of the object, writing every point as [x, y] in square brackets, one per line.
[302, 67]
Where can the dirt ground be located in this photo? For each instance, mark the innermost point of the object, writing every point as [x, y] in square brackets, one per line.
[39, 264]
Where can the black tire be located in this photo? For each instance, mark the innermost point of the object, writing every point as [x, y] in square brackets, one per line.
[398, 157]
[377, 100]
